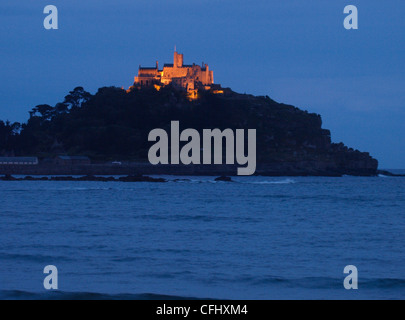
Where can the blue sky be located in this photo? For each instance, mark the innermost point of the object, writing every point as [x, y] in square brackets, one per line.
[295, 51]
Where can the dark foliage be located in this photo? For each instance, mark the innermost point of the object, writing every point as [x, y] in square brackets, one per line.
[114, 124]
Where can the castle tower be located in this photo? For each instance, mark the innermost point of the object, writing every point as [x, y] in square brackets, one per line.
[177, 60]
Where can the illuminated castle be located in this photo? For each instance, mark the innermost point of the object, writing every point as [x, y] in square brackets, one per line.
[188, 77]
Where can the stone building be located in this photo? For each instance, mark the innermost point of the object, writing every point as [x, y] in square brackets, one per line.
[188, 77]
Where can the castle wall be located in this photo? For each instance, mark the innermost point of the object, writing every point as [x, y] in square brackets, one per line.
[147, 77]
[180, 75]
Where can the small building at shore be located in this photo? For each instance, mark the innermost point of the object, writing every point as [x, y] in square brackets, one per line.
[18, 161]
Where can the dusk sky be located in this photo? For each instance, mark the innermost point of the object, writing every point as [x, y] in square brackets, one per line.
[295, 51]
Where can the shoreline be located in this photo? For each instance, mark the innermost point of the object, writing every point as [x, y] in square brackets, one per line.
[145, 178]
[277, 169]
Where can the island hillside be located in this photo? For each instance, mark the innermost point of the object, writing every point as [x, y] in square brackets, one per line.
[113, 125]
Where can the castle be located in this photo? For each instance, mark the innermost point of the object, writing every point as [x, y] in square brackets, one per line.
[188, 77]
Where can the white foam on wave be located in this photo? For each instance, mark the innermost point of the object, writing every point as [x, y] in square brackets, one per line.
[284, 181]
[79, 189]
[190, 180]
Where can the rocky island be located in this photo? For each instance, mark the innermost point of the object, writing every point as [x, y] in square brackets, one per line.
[111, 128]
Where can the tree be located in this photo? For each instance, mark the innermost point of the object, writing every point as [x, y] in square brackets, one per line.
[8, 134]
[76, 98]
[45, 111]
[61, 108]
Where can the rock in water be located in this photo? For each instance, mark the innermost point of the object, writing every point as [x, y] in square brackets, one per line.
[224, 178]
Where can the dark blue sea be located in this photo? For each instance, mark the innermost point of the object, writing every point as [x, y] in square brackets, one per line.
[192, 237]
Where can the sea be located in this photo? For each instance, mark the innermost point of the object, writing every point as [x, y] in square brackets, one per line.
[256, 238]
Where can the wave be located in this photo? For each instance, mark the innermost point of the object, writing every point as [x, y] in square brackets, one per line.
[192, 180]
[61, 189]
[311, 283]
[284, 181]
[323, 282]
[61, 295]
[306, 282]
[32, 257]
[383, 283]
